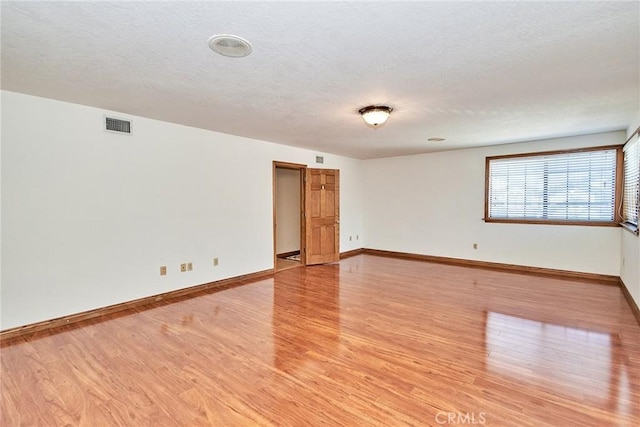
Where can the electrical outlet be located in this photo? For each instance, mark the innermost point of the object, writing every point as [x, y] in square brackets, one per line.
[189, 266]
[215, 262]
[163, 270]
[475, 246]
[183, 268]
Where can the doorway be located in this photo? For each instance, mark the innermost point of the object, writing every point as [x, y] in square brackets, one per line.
[306, 215]
[288, 215]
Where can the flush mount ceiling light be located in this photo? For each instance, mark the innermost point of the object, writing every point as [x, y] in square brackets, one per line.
[375, 115]
[228, 45]
[435, 139]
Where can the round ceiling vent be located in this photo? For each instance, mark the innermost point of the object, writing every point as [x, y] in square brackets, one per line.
[228, 45]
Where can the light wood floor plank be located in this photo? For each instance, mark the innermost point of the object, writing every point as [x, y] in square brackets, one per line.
[367, 341]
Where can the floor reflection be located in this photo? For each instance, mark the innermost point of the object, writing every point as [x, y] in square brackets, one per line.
[585, 365]
[306, 315]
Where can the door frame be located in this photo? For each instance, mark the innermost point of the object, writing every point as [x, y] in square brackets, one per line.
[301, 168]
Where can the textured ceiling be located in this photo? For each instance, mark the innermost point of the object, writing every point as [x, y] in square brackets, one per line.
[475, 73]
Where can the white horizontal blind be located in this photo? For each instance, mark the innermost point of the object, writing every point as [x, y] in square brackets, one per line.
[631, 172]
[577, 186]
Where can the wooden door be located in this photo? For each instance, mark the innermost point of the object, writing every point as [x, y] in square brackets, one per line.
[322, 215]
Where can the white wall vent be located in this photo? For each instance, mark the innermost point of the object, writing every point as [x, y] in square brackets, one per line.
[112, 124]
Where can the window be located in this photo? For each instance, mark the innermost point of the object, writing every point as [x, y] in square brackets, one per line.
[561, 187]
[630, 187]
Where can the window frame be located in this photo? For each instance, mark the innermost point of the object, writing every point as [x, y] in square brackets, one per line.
[627, 225]
[618, 189]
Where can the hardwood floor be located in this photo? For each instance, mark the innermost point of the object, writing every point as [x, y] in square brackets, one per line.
[367, 341]
[285, 264]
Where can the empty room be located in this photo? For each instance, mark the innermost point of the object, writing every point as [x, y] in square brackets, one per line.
[355, 213]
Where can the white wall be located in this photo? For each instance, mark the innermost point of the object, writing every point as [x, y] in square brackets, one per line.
[88, 216]
[630, 259]
[432, 204]
[287, 210]
[1, 192]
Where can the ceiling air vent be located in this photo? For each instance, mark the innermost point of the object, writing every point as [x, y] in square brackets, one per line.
[229, 45]
[111, 124]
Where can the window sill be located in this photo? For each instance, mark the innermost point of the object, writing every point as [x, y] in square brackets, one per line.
[630, 227]
[553, 222]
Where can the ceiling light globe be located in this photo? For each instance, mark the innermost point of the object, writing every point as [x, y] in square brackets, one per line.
[375, 115]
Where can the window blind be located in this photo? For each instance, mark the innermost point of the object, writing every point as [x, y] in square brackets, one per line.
[573, 186]
[630, 190]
